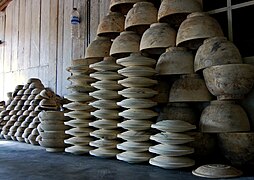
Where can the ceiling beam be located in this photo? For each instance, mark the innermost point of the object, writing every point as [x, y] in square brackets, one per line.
[4, 4]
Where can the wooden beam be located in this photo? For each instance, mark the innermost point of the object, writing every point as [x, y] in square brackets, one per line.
[4, 4]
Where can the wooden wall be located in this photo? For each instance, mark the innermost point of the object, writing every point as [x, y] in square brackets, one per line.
[38, 43]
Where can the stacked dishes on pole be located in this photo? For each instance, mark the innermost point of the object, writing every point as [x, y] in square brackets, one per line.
[138, 81]
[106, 84]
[107, 113]
[79, 108]
[138, 114]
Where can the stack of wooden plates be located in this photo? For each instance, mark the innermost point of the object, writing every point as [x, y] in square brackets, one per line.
[52, 130]
[138, 83]
[79, 108]
[107, 108]
[172, 151]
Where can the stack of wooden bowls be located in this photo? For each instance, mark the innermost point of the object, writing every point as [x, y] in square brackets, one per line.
[21, 109]
[2, 122]
[52, 130]
[5, 114]
[138, 114]
[10, 97]
[27, 112]
[172, 150]
[21, 115]
[229, 79]
[78, 106]
[107, 109]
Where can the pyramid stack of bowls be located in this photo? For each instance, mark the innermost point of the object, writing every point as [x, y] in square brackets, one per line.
[52, 130]
[21, 115]
[27, 112]
[5, 114]
[21, 110]
[2, 108]
[107, 109]
[78, 107]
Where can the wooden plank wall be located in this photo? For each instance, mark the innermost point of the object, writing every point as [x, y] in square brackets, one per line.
[38, 40]
[2, 38]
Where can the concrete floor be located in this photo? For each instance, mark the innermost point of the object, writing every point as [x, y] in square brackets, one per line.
[20, 161]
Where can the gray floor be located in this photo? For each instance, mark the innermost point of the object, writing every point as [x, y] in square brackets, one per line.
[20, 161]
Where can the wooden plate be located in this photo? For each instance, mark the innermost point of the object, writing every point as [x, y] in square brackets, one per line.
[137, 103]
[82, 123]
[80, 97]
[81, 88]
[82, 141]
[81, 79]
[138, 93]
[134, 157]
[134, 146]
[104, 143]
[79, 114]
[106, 114]
[105, 153]
[136, 125]
[171, 150]
[105, 65]
[106, 84]
[79, 106]
[78, 150]
[106, 75]
[104, 124]
[110, 104]
[138, 82]
[105, 134]
[141, 62]
[168, 162]
[172, 138]
[105, 94]
[137, 71]
[79, 132]
[136, 136]
[138, 114]
[173, 126]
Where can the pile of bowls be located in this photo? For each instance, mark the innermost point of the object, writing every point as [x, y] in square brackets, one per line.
[22, 109]
[107, 109]
[78, 108]
[52, 130]
[172, 150]
[138, 114]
